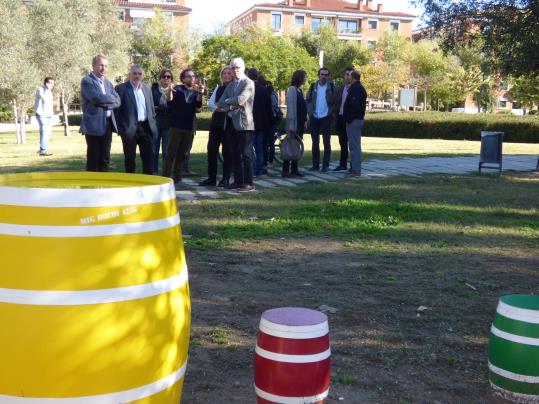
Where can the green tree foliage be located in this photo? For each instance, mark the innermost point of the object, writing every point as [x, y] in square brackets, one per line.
[276, 57]
[66, 34]
[526, 90]
[338, 54]
[162, 45]
[508, 29]
[18, 75]
[428, 66]
[154, 47]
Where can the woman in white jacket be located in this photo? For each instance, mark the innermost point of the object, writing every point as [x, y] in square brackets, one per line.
[296, 117]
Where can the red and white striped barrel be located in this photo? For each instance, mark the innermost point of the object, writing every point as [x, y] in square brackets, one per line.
[292, 357]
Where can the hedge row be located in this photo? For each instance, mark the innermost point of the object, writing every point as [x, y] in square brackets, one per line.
[430, 125]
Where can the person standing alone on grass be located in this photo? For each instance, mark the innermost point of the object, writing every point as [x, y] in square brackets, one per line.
[136, 121]
[218, 135]
[342, 93]
[160, 92]
[183, 103]
[296, 117]
[354, 116]
[320, 104]
[99, 99]
[238, 100]
[44, 111]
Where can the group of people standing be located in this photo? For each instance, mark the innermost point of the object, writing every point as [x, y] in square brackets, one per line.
[245, 112]
[144, 117]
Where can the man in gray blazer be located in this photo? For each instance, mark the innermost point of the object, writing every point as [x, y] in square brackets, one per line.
[98, 99]
[136, 120]
[238, 100]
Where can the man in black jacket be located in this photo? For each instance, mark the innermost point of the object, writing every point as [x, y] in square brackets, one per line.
[183, 104]
[135, 119]
[262, 114]
[354, 115]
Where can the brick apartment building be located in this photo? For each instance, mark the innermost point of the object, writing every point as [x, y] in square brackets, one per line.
[358, 21]
[136, 12]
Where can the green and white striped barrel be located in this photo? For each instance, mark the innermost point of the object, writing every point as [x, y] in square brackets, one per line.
[514, 349]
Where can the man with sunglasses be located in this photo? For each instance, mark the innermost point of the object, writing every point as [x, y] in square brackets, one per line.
[136, 120]
[320, 103]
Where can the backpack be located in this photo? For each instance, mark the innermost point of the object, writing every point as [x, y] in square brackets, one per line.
[291, 148]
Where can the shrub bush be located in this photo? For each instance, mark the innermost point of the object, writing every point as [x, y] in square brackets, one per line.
[428, 125]
[451, 126]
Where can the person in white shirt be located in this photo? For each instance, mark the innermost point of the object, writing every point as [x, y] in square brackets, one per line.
[44, 111]
[136, 121]
[320, 103]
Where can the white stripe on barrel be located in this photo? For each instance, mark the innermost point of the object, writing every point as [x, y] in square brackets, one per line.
[113, 398]
[291, 400]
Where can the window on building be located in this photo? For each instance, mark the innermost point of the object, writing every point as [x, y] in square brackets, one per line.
[348, 26]
[121, 15]
[169, 16]
[315, 24]
[372, 24]
[371, 44]
[503, 104]
[299, 19]
[394, 26]
[276, 21]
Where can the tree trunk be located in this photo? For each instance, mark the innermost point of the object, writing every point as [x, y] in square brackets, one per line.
[64, 113]
[425, 99]
[23, 126]
[16, 120]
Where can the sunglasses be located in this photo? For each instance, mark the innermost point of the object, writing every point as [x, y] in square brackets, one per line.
[166, 77]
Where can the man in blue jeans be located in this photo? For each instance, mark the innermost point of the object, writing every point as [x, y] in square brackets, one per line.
[43, 108]
[320, 103]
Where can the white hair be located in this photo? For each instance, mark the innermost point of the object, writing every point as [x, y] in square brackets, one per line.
[237, 62]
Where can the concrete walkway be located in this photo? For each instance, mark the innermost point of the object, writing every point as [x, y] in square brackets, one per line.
[189, 190]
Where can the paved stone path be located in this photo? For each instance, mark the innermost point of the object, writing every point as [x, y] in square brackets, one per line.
[189, 190]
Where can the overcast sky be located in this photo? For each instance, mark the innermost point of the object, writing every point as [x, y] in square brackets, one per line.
[208, 14]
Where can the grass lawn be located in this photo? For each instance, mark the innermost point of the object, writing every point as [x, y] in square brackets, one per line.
[372, 251]
[69, 152]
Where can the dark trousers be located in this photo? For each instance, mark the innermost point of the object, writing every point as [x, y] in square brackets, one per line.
[218, 136]
[322, 125]
[294, 164]
[98, 150]
[259, 137]
[144, 140]
[188, 154]
[270, 148]
[241, 144]
[343, 140]
[160, 142]
[179, 142]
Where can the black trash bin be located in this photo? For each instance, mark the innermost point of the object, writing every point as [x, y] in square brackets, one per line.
[491, 150]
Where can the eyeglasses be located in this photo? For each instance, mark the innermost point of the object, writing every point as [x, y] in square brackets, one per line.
[324, 74]
[236, 67]
[190, 75]
[166, 77]
[137, 73]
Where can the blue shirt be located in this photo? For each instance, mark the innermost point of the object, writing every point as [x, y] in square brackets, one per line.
[322, 109]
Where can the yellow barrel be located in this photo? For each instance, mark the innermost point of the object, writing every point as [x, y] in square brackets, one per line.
[94, 297]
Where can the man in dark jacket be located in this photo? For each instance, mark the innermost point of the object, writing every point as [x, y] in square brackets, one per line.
[98, 99]
[262, 114]
[160, 92]
[183, 103]
[135, 119]
[340, 125]
[320, 104]
[354, 115]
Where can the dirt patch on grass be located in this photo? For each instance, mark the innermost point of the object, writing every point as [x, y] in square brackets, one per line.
[383, 349]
